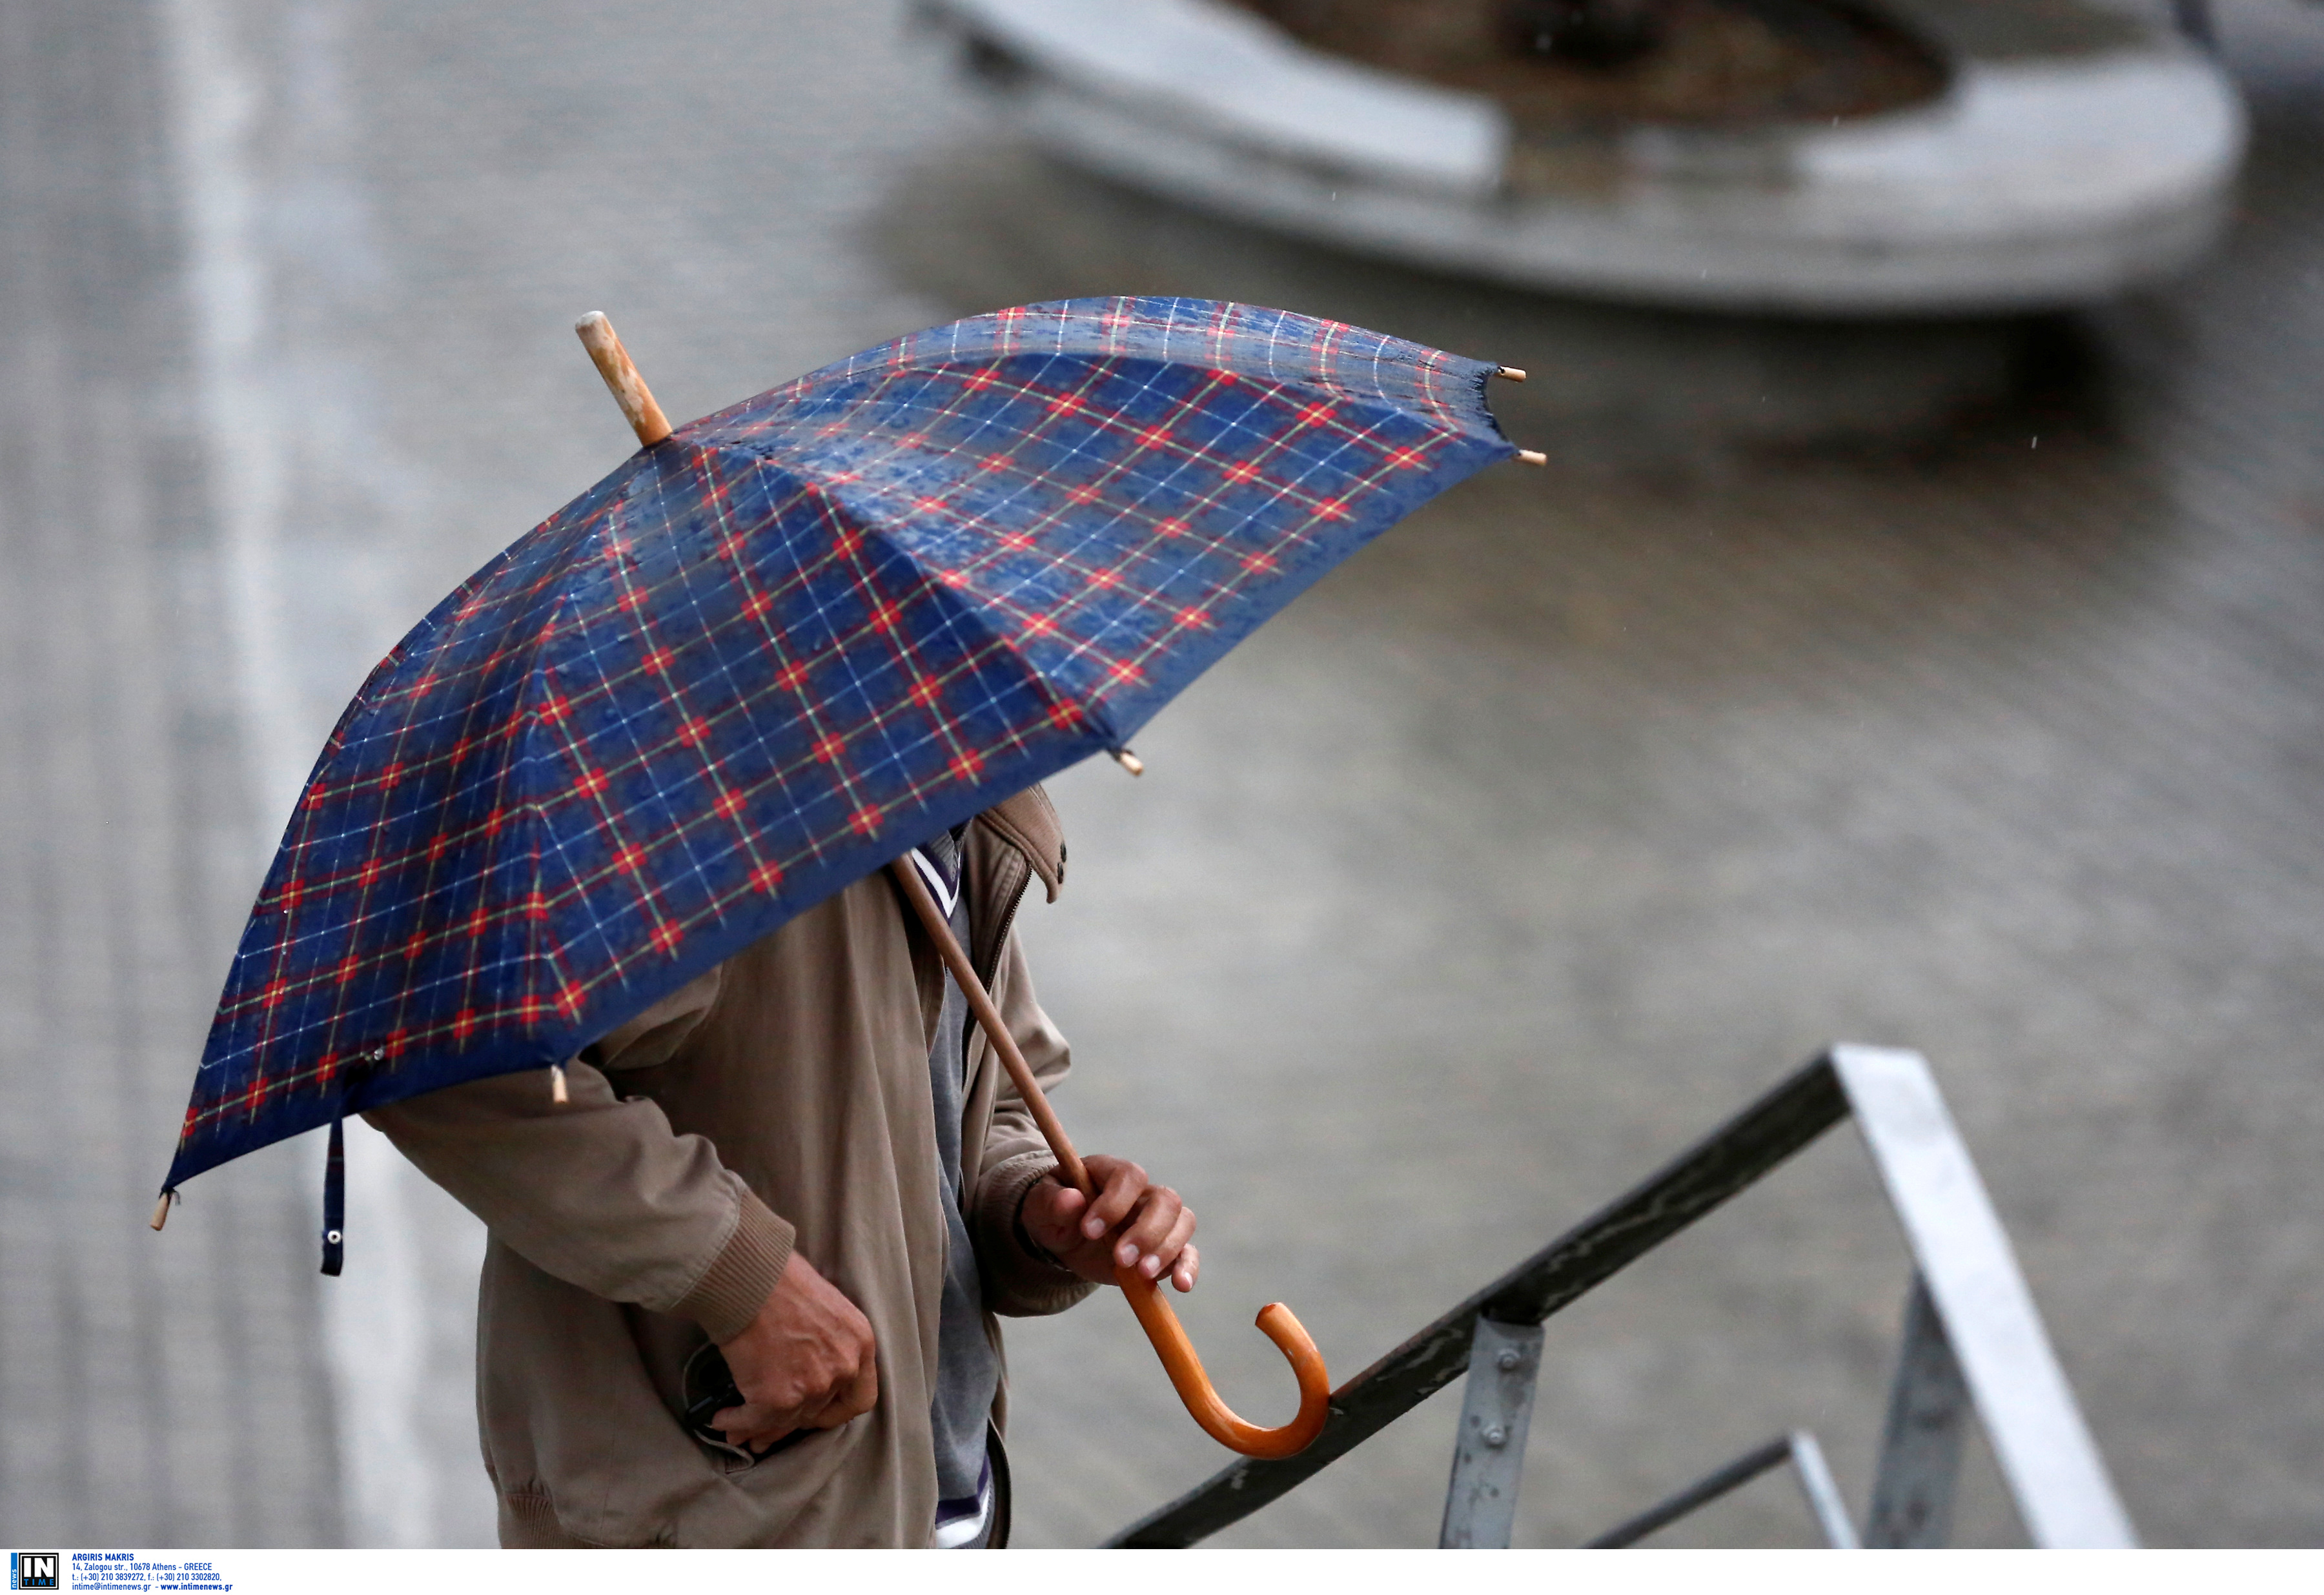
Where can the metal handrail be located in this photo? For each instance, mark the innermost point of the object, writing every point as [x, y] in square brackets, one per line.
[1970, 1295]
[1798, 1448]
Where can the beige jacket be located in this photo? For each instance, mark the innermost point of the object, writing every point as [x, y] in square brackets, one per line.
[779, 1102]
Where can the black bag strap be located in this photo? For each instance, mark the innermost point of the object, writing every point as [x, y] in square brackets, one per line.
[335, 1199]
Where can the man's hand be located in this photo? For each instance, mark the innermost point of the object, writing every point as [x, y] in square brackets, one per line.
[1132, 1223]
[805, 1361]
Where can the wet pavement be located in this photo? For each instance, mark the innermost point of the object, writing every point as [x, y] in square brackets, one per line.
[176, 1393]
[1953, 686]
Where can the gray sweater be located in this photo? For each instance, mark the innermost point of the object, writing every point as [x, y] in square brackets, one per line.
[968, 1367]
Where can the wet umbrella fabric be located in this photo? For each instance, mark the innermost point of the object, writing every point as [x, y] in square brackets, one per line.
[767, 655]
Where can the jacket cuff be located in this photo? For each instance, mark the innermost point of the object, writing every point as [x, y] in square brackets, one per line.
[1019, 1279]
[740, 1277]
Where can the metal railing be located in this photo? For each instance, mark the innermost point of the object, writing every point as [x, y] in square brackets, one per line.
[1973, 1341]
[1798, 1448]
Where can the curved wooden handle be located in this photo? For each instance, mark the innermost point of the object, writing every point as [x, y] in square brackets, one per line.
[1145, 1299]
[1193, 1385]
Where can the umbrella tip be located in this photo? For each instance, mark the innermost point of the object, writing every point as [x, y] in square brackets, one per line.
[1515, 374]
[162, 1208]
[1128, 761]
[1532, 456]
[621, 379]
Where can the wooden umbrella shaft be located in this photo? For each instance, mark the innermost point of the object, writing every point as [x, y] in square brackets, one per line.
[1145, 1296]
[980, 1004]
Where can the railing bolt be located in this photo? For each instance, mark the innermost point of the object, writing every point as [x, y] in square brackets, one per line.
[1497, 1436]
[1509, 1358]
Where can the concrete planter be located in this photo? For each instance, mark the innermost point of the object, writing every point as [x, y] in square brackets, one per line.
[2048, 172]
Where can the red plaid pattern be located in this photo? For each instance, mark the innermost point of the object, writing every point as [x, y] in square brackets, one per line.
[766, 656]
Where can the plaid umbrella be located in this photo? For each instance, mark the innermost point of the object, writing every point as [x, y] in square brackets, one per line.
[767, 655]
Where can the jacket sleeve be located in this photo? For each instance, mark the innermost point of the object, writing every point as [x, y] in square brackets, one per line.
[599, 1192]
[1019, 1279]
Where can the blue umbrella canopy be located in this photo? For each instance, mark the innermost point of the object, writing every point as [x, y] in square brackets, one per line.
[767, 655]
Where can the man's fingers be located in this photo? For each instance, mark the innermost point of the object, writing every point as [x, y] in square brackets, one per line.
[1131, 1224]
[1156, 1216]
[860, 1396]
[1165, 1254]
[1123, 1186]
[752, 1426]
[850, 1394]
[755, 1426]
[1050, 1212]
[752, 1416]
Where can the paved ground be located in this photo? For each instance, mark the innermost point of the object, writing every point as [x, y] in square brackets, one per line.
[169, 1390]
[1955, 688]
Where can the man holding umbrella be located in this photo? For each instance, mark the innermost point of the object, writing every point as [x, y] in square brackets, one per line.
[713, 799]
[808, 1159]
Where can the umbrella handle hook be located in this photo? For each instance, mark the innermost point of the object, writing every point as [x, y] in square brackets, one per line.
[1217, 1419]
[1145, 1296]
